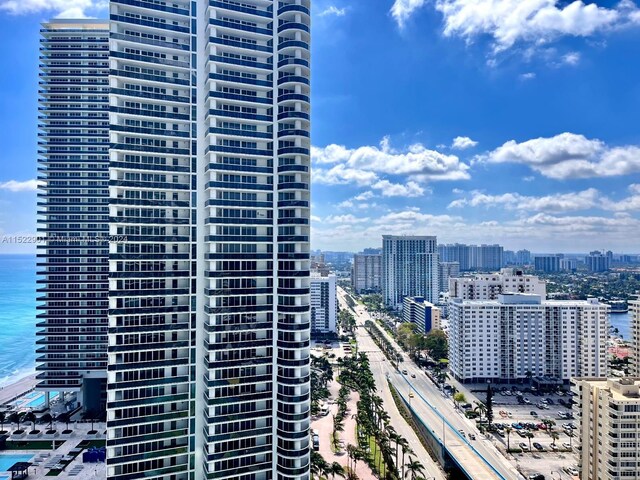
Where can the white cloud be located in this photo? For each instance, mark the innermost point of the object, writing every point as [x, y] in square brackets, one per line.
[528, 76]
[342, 175]
[388, 189]
[462, 143]
[345, 219]
[572, 58]
[508, 22]
[561, 202]
[569, 155]
[333, 10]
[364, 196]
[416, 161]
[401, 10]
[60, 8]
[15, 186]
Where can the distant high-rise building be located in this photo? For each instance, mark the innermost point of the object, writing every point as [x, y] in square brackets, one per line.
[519, 335]
[509, 257]
[74, 210]
[568, 264]
[490, 285]
[447, 270]
[409, 268]
[473, 257]
[366, 273]
[546, 263]
[523, 257]
[425, 315]
[608, 417]
[324, 306]
[372, 251]
[597, 262]
[456, 253]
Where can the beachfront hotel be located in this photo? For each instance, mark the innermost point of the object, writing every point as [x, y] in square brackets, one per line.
[209, 318]
[73, 211]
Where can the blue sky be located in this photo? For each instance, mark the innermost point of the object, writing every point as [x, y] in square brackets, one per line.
[479, 121]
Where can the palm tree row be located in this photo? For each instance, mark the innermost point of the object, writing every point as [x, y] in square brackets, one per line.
[383, 342]
[373, 423]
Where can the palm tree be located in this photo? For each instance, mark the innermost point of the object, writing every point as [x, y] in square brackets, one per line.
[31, 417]
[64, 417]
[529, 436]
[508, 432]
[480, 409]
[318, 464]
[554, 436]
[336, 469]
[47, 418]
[16, 417]
[404, 444]
[407, 451]
[414, 467]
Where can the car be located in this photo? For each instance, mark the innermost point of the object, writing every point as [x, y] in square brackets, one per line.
[524, 446]
[571, 471]
[553, 447]
[562, 402]
[536, 476]
[550, 401]
[568, 432]
[472, 436]
[413, 375]
[404, 372]
[467, 406]
[541, 426]
[500, 433]
[411, 395]
[533, 413]
[461, 432]
[522, 433]
[537, 446]
[508, 393]
[526, 401]
[567, 446]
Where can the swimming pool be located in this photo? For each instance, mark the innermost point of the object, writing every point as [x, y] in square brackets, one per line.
[39, 400]
[8, 459]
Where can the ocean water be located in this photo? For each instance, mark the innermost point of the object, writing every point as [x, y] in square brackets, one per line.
[17, 316]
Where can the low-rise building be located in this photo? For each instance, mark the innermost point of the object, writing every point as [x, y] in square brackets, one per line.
[519, 336]
[608, 413]
[425, 315]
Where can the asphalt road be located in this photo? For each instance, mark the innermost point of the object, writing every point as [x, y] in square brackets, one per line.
[432, 407]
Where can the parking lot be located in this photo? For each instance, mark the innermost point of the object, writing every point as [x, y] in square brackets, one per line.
[528, 421]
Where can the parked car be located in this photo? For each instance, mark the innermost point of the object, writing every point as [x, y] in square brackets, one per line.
[537, 446]
[533, 413]
[536, 476]
[567, 446]
[571, 471]
[524, 446]
[472, 436]
[550, 401]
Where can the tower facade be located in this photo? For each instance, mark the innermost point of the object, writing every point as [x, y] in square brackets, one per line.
[209, 304]
[73, 209]
[409, 268]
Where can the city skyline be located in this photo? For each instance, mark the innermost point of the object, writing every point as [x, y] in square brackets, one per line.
[425, 157]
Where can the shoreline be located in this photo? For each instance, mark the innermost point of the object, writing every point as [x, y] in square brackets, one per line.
[19, 387]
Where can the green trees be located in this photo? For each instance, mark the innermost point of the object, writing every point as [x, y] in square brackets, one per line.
[346, 321]
[30, 417]
[437, 345]
[459, 398]
[16, 417]
[489, 406]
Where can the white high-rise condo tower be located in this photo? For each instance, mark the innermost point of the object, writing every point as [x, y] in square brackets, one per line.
[409, 268]
[209, 294]
[73, 206]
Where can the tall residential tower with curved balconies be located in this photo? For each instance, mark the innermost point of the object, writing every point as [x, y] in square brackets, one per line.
[209, 318]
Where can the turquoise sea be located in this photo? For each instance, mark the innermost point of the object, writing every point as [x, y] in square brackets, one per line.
[17, 316]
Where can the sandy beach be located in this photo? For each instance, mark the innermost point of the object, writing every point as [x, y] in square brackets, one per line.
[17, 388]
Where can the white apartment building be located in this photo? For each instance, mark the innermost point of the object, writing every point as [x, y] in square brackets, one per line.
[608, 413]
[425, 315]
[366, 273]
[488, 286]
[409, 268]
[209, 322]
[502, 340]
[73, 209]
[324, 305]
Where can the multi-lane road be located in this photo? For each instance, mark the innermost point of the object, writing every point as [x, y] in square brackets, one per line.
[479, 458]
